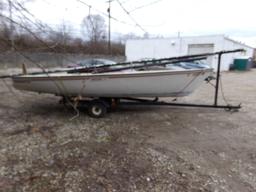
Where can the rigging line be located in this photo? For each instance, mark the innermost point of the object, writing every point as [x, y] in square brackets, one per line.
[186, 86]
[53, 46]
[33, 34]
[27, 29]
[146, 5]
[38, 24]
[73, 105]
[23, 17]
[54, 81]
[211, 84]
[32, 15]
[26, 57]
[40, 27]
[128, 13]
[42, 30]
[76, 100]
[222, 91]
[22, 8]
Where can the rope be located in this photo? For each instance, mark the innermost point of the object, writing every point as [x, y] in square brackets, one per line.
[189, 83]
[222, 92]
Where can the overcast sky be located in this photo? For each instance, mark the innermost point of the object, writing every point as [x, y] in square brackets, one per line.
[163, 17]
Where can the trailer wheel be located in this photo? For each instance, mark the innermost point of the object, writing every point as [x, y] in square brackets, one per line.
[97, 109]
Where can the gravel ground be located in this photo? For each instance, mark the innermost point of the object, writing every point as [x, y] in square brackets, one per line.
[133, 148]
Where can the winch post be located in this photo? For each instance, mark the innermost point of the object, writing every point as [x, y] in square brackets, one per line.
[217, 80]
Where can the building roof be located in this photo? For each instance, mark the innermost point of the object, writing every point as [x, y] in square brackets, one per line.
[197, 36]
[238, 42]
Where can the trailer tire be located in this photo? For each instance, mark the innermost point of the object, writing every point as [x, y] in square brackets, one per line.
[97, 109]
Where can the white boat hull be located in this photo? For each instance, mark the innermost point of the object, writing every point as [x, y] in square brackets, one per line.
[166, 83]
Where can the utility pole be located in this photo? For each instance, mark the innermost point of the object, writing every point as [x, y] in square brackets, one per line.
[109, 27]
[11, 25]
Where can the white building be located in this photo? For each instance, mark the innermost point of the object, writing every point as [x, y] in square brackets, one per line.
[137, 49]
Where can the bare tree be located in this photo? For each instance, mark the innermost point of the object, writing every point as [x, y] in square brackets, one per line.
[1, 6]
[9, 11]
[94, 27]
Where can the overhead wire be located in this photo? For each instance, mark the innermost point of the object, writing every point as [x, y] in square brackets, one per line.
[146, 5]
[104, 14]
[128, 13]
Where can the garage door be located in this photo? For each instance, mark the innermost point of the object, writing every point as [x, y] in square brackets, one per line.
[201, 48]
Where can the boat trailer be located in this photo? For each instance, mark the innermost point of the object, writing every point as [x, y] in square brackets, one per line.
[98, 107]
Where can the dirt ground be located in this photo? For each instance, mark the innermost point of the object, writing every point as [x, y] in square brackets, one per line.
[133, 148]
